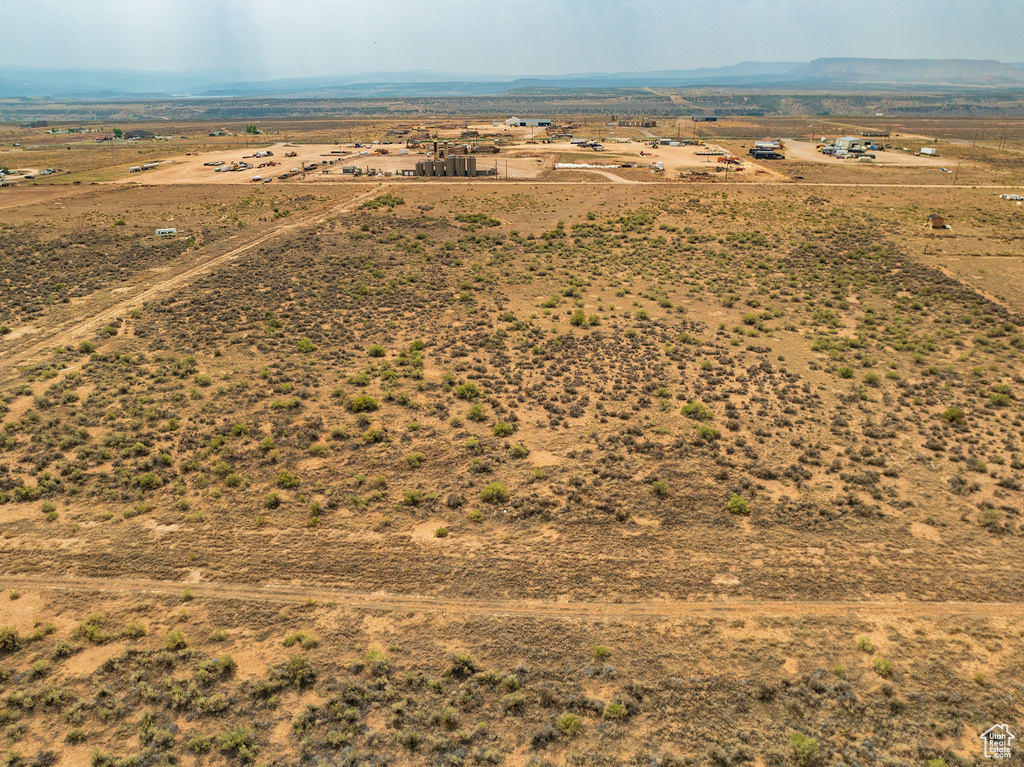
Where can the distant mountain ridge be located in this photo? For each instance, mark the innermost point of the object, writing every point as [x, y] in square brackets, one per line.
[822, 73]
[965, 72]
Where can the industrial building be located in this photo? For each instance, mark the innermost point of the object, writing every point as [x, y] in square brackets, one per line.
[704, 119]
[850, 142]
[528, 122]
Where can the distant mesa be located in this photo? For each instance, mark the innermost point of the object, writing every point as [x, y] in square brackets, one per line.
[962, 72]
[830, 73]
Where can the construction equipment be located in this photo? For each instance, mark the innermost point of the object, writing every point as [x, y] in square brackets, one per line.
[291, 153]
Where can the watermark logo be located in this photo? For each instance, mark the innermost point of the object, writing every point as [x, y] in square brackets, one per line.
[997, 741]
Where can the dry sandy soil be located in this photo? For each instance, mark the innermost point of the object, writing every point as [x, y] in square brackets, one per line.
[526, 473]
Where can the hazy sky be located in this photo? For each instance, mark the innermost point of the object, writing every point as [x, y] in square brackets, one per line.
[289, 38]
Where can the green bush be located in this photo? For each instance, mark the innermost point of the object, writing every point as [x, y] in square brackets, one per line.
[502, 429]
[377, 662]
[304, 640]
[697, 411]
[148, 481]
[569, 724]
[441, 532]
[364, 403]
[738, 505]
[175, 641]
[286, 480]
[495, 492]
[513, 703]
[954, 415]
[660, 488]
[462, 665]
[297, 671]
[864, 645]
[467, 390]
[707, 433]
[415, 460]
[271, 500]
[382, 201]
[305, 346]
[240, 743]
[92, 629]
[375, 435]
[134, 630]
[615, 711]
[9, 639]
[409, 738]
[804, 748]
[376, 350]
[477, 413]
[882, 667]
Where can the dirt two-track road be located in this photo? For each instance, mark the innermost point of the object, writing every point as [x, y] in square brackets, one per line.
[292, 594]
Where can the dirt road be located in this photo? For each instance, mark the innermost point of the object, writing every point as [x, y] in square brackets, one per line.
[610, 176]
[386, 602]
[70, 334]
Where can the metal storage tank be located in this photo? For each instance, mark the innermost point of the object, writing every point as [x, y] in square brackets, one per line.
[449, 166]
[470, 166]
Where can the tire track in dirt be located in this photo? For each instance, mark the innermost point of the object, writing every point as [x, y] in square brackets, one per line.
[81, 327]
[528, 608]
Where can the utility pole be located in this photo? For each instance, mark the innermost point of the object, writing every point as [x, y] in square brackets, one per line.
[956, 172]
